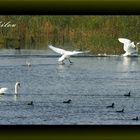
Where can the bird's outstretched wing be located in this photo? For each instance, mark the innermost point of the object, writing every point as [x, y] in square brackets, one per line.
[76, 52]
[124, 40]
[57, 50]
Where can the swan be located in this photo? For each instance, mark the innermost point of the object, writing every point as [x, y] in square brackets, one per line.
[3, 90]
[129, 47]
[17, 85]
[65, 54]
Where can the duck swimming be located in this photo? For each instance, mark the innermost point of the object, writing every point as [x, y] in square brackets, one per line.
[31, 103]
[111, 106]
[68, 101]
[120, 111]
[135, 118]
[128, 95]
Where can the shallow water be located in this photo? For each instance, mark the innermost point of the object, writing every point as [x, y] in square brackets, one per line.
[92, 83]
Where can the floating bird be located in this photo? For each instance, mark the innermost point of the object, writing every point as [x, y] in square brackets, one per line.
[3, 91]
[17, 86]
[129, 47]
[65, 54]
[120, 111]
[31, 103]
[68, 101]
[136, 119]
[28, 63]
[111, 106]
[128, 95]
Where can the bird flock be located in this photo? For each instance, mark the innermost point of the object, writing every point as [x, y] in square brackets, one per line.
[129, 47]
[130, 50]
[122, 110]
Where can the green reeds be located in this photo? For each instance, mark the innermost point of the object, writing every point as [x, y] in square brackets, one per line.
[99, 34]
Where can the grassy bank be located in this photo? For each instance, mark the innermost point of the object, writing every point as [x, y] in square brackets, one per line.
[98, 34]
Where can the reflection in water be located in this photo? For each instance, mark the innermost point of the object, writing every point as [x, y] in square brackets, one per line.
[130, 61]
[63, 68]
[17, 51]
[16, 97]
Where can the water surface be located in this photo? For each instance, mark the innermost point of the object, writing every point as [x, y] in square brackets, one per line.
[92, 83]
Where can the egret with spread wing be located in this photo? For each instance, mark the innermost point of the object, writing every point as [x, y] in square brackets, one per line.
[129, 47]
[64, 54]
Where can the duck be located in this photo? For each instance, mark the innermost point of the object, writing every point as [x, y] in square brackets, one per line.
[120, 111]
[31, 103]
[68, 101]
[111, 106]
[128, 95]
[136, 118]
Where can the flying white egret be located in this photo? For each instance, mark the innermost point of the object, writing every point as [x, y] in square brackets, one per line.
[129, 47]
[65, 54]
[17, 85]
[3, 90]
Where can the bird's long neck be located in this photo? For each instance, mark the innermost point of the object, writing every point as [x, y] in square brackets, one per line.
[16, 89]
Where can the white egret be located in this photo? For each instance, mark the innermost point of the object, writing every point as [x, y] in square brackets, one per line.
[129, 47]
[3, 90]
[17, 85]
[65, 54]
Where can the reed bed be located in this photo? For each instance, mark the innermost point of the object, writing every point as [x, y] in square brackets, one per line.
[99, 34]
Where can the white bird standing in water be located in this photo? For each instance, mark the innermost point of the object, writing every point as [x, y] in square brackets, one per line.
[65, 54]
[129, 47]
[3, 91]
[17, 86]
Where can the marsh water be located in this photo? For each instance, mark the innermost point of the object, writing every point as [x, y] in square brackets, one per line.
[92, 83]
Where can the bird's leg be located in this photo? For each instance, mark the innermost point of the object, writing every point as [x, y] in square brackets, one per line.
[61, 63]
[70, 61]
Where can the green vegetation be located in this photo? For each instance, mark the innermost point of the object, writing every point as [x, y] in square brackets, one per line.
[99, 34]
